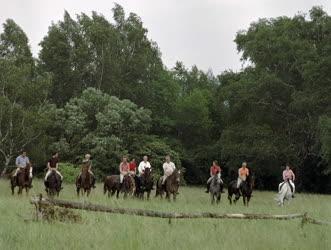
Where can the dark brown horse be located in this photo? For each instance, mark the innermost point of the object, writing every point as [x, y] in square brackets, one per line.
[54, 183]
[22, 180]
[245, 190]
[84, 181]
[112, 184]
[170, 186]
[144, 183]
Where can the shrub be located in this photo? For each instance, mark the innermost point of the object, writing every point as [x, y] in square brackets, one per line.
[69, 172]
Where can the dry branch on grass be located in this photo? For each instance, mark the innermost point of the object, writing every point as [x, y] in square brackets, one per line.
[42, 202]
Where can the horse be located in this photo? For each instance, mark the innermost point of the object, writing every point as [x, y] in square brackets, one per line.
[144, 184]
[170, 186]
[215, 189]
[112, 184]
[54, 184]
[22, 180]
[84, 181]
[284, 193]
[245, 189]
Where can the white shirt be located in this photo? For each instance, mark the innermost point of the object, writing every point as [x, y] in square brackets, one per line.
[142, 166]
[168, 168]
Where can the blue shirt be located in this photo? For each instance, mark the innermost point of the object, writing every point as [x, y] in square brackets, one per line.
[22, 161]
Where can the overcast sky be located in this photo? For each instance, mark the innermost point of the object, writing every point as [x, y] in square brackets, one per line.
[197, 32]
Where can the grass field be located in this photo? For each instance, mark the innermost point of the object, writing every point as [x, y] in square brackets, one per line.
[110, 231]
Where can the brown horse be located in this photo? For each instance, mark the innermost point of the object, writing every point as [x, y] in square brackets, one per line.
[84, 182]
[22, 180]
[170, 186]
[112, 184]
[144, 184]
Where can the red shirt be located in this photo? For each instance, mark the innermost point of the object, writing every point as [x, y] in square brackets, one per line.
[215, 169]
[132, 166]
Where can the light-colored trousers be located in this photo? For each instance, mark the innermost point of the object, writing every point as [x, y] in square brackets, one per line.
[17, 169]
[50, 171]
[240, 180]
[291, 183]
[211, 177]
[122, 177]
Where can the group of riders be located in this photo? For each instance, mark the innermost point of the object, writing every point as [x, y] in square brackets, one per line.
[130, 168]
[243, 173]
[125, 167]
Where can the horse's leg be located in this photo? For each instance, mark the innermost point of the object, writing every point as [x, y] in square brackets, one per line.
[244, 200]
[174, 194]
[12, 188]
[117, 193]
[148, 194]
[19, 190]
[78, 190]
[230, 197]
[219, 197]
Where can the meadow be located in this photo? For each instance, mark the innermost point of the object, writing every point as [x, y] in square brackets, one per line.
[112, 231]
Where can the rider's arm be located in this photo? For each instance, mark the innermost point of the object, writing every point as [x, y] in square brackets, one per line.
[293, 175]
[284, 176]
[48, 165]
[17, 162]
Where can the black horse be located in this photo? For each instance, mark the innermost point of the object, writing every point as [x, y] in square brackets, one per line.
[144, 183]
[245, 190]
[53, 184]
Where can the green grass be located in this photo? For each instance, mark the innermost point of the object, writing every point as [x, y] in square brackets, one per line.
[111, 231]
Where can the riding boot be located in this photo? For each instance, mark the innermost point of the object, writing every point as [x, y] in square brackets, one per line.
[208, 186]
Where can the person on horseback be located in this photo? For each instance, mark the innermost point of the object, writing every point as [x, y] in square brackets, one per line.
[143, 165]
[52, 165]
[288, 176]
[133, 167]
[88, 162]
[243, 173]
[124, 168]
[215, 169]
[168, 168]
[21, 162]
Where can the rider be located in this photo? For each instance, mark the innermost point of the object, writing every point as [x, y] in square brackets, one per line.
[124, 168]
[143, 165]
[132, 167]
[88, 162]
[21, 162]
[288, 176]
[168, 168]
[52, 164]
[215, 169]
[243, 173]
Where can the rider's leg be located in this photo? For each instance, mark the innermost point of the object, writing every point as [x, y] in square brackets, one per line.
[164, 179]
[208, 184]
[292, 187]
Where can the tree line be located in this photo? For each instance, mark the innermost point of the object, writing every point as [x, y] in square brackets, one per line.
[100, 86]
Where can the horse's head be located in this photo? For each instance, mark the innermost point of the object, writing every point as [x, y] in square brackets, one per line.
[147, 172]
[177, 175]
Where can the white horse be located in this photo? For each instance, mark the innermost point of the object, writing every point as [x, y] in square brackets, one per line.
[284, 193]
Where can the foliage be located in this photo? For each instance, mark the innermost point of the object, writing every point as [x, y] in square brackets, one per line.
[69, 171]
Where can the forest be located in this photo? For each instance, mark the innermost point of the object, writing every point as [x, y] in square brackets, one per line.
[99, 86]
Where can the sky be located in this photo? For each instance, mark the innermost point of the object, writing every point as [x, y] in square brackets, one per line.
[196, 32]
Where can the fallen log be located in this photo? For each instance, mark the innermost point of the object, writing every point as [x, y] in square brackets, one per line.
[40, 202]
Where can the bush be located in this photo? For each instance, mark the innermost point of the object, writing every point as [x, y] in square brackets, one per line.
[69, 172]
